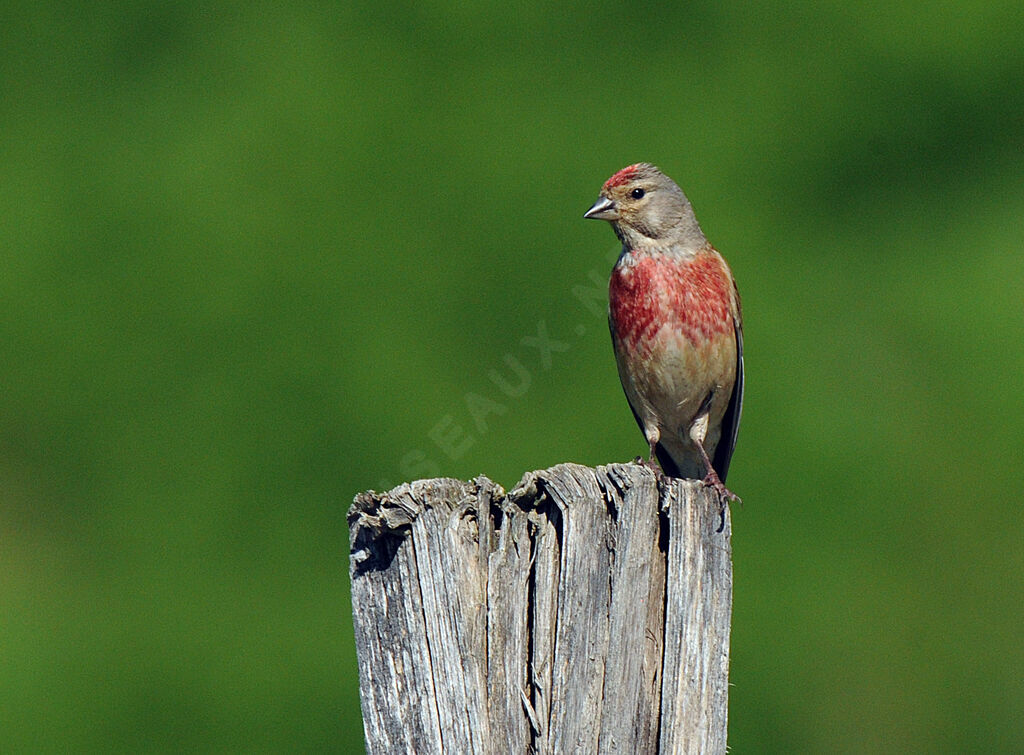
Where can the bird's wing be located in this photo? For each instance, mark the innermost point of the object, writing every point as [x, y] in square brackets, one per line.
[731, 420]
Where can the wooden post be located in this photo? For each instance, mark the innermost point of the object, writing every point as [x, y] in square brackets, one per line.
[585, 611]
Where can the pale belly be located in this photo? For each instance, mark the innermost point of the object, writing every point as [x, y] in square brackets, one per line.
[667, 379]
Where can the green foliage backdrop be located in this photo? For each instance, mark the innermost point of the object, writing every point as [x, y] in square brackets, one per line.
[259, 257]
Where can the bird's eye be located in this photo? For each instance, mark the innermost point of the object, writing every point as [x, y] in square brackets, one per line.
[637, 193]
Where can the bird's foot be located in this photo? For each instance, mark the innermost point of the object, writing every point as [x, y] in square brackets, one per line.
[723, 493]
[652, 465]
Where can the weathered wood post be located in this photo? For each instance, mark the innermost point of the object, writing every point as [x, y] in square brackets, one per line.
[585, 611]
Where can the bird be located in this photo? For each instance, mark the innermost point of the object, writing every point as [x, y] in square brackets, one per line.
[676, 326]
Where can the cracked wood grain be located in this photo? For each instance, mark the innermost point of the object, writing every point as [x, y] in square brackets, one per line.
[585, 611]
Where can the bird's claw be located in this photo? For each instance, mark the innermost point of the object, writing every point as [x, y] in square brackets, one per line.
[649, 463]
[723, 494]
[652, 465]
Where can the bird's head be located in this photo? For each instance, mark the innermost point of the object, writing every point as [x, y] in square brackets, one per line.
[646, 207]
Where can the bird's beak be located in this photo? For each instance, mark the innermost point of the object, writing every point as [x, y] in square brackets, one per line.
[603, 209]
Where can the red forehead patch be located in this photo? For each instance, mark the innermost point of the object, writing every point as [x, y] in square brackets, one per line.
[622, 176]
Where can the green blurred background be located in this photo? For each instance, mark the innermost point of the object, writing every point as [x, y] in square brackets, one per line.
[258, 257]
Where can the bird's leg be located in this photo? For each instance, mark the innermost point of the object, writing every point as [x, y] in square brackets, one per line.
[712, 480]
[653, 435]
[698, 431]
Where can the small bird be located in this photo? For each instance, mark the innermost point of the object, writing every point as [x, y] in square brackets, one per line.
[674, 314]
